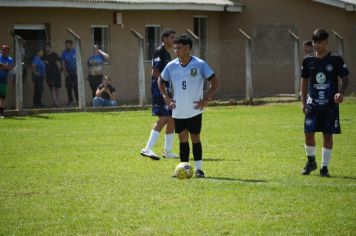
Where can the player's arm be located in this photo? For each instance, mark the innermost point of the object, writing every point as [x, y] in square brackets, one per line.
[209, 94]
[104, 54]
[162, 88]
[303, 92]
[339, 97]
[155, 72]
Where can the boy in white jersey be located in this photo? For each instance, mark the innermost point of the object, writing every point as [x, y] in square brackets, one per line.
[187, 75]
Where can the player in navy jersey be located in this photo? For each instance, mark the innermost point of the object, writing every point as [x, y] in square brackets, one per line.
[187, 74]
[160, 59]
[321, 94]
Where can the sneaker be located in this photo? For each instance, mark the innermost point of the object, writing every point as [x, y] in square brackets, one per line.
[199, 174]
[149, 153]
[324, 172]
[2, 117]
[169, 155]
[309, 167]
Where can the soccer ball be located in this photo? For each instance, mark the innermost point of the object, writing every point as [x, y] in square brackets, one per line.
[184, 170]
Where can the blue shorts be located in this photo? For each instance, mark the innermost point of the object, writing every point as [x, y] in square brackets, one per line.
[324, 120]
[159, 107]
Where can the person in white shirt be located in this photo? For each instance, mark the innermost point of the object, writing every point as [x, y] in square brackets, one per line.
[187, 74]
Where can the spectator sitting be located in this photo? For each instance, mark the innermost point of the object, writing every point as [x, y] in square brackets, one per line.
[105, 94]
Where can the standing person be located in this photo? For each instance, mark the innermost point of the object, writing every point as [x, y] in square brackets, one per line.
[6, 65]
[187, 74]
[321, 96]
[105, 94]
[53, 72]
[38, 76]
[160, 59]
[308, 47]
[95, 66]
[69, 66]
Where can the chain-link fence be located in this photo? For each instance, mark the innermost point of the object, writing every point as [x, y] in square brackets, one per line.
[51, 74]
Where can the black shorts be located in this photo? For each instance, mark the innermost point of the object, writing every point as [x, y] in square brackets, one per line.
[193, 124]
[324, 120]
[159, 107]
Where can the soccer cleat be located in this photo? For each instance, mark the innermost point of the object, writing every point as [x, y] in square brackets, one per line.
[149, 153]
[2, 117]
[199, 174]
[169, 155]
[324, 172]
[309, 167]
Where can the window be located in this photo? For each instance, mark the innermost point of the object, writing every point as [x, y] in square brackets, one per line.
[100, 34]
[201, 30]
[153, 39]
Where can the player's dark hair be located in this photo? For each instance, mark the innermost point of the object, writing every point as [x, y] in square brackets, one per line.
[320, 35]
[69, 41]
[165, 33]
[184, 39]
[308, 43]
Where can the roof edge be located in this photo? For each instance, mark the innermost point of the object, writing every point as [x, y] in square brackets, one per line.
[120, 6]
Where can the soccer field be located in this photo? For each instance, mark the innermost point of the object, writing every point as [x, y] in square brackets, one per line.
[82, 174]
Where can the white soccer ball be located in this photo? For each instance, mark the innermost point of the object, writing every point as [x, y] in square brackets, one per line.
[184, 170]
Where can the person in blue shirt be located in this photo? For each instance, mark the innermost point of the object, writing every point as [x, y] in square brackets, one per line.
[95, 65]
[160, 59]
[6, 65]
[69, 65]
[38, 76]
[321, 95]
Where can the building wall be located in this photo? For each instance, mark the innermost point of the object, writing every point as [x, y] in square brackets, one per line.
[264, 21]
[267, 23]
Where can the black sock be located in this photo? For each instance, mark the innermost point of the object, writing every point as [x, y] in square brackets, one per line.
[311, 158]
[1, 111]
[184, 152]
[197, 151]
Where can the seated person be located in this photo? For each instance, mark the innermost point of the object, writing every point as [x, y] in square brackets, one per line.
[105, 94]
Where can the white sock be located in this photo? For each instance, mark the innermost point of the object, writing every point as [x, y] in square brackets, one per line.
[152, 140]
[310, 150]
[326, 156]
[198, 165]
[168, 142]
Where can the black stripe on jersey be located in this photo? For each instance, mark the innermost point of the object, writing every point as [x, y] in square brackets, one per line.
[211, 76]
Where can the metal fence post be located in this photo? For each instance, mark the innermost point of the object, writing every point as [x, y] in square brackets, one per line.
[296, 64]
[81, 86]
[141, 68]
[196, 49]
[19, 75]
[340, 42]
[248, 58]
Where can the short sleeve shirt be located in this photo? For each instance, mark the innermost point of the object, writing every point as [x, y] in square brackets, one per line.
[4, 73]
[99, 62]
[188, 83]
[323, 74]
[40, 66]
[69, 59]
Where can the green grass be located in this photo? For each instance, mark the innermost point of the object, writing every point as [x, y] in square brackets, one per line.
[81, 174]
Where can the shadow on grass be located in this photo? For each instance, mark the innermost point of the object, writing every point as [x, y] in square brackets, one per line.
[343, 177]
[235, 179]
[41, 116]
[213, 159]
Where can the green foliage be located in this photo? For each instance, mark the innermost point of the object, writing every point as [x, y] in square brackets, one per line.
[81, 174]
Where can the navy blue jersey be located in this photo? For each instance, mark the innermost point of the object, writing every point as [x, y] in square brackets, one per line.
[159, 61]
[323, 74]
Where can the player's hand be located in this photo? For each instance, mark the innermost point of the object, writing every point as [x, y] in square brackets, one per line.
[200, 104]
[339, 98]
[303, 108]
[170, 102]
